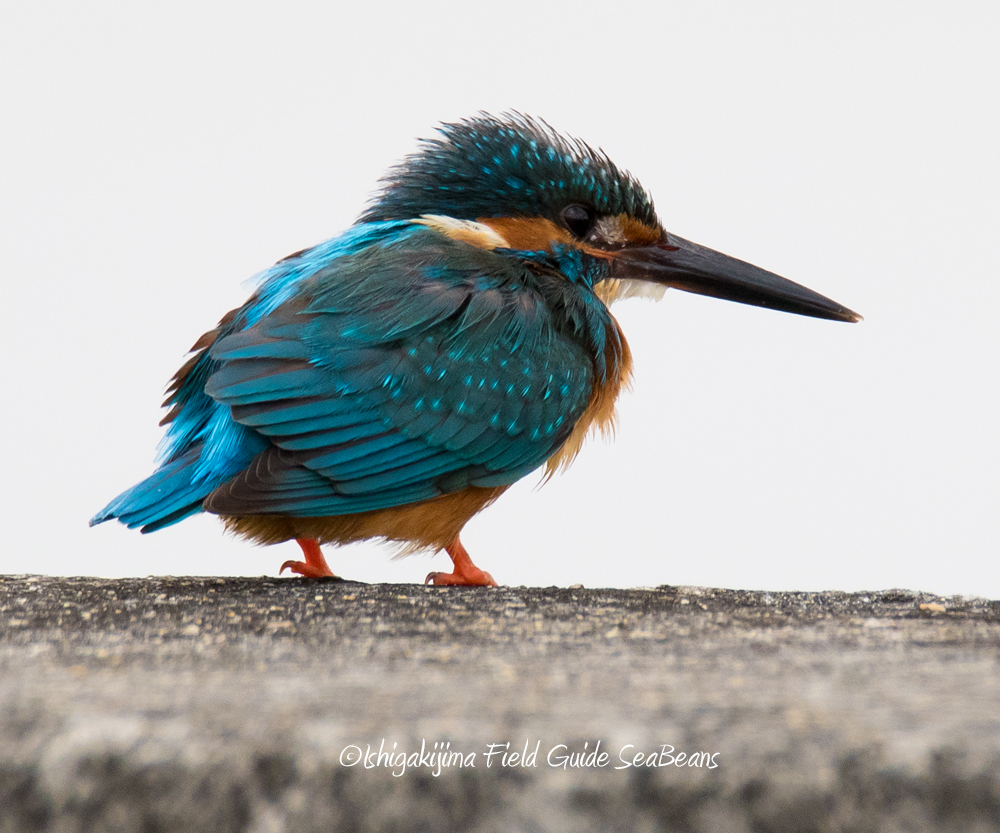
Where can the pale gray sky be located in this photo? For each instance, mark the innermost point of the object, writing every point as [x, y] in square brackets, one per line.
[153, 158]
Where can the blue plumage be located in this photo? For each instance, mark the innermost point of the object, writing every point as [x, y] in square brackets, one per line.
[392, 358]
[393, 381]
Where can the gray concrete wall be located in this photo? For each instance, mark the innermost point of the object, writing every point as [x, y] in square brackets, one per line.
[205, 704]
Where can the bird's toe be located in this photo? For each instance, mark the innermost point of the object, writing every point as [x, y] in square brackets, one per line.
[472, 578]
[308, 570]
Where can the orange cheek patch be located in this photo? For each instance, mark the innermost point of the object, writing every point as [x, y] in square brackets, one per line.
[536, 234]
[528, 233]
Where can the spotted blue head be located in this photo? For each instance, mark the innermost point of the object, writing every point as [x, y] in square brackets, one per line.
[508, 167]
[512, 183]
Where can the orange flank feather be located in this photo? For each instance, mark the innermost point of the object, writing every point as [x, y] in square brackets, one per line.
[429, 524]
[600, 416]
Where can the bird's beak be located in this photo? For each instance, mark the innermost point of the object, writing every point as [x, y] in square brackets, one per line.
[682, 264]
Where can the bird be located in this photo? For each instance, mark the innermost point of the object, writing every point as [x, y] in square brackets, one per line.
[392, 382]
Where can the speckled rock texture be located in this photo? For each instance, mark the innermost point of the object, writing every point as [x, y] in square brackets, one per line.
[259, 705]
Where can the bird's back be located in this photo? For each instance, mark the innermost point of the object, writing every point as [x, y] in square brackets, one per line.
[390, 367]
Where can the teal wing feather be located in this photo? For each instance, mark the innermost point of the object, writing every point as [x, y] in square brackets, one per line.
[405, 371]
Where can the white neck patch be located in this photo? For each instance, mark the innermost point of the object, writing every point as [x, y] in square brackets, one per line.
[468, 231]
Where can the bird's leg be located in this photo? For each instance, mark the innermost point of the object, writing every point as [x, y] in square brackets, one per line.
[466, 573]
[314, 566]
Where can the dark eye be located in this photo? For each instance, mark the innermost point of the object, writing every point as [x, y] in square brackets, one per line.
[578, 219]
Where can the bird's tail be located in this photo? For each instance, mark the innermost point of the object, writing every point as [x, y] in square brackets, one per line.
[170, 494]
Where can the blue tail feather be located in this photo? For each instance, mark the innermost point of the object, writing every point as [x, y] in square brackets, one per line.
[170, 494]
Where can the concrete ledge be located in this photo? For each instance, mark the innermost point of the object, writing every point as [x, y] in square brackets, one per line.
[236, 704]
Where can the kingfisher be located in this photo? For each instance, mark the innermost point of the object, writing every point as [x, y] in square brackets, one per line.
[394, 381]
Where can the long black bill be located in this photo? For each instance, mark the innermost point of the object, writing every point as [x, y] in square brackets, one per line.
[682, 264]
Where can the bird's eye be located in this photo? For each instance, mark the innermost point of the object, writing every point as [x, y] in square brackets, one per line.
[578, 219]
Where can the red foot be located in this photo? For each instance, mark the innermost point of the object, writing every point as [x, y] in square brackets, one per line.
[466, 573]
[314, 566]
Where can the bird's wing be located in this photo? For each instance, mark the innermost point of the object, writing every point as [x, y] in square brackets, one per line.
[390, 378]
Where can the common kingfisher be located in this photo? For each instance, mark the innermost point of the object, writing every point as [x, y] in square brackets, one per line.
[392, 382]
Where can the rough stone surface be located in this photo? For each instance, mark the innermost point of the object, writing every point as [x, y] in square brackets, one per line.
[203, 704]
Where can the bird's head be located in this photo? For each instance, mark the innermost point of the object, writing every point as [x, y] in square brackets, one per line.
[513, 183]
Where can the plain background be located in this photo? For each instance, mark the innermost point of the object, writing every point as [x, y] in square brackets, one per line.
[153, 157]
